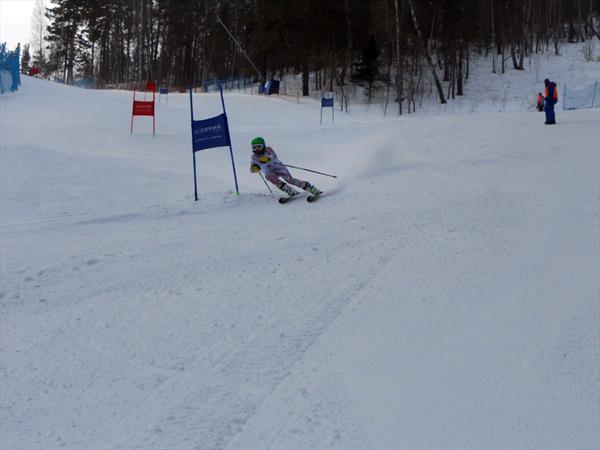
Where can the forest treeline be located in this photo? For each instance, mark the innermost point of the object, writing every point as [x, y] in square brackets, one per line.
[398, 43]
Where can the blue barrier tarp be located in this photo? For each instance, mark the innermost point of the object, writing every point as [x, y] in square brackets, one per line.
[272, 87]
[10, 76]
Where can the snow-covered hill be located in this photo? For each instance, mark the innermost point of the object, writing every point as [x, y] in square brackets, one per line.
[443, 294]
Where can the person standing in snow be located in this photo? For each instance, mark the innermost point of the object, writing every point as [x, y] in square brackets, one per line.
[550, 99]
[265, 160]
[540, 102]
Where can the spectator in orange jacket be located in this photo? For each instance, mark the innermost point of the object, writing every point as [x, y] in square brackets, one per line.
[550, 99]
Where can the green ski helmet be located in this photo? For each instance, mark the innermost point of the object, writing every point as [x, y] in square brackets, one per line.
[258, 144]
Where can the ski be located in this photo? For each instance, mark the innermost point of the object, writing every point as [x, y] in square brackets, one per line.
[284, 200]
[310, 198]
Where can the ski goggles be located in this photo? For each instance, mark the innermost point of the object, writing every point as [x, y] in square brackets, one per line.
[257, 147]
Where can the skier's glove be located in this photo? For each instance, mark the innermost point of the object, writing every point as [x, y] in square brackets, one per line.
[254, 168]
[264, 159]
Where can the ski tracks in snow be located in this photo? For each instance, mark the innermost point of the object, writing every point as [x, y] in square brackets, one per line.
[212, 400]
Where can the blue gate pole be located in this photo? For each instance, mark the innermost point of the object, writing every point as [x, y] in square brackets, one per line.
[332, 112]
[237, 191]
[195, 185]
[321, 111]
[193, 152]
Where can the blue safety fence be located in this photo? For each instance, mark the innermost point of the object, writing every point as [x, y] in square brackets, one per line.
[10, 75]
[588, 97]
[228, 84]
[84, 83]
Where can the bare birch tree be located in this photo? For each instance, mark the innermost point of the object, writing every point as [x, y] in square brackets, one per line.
[438, 85]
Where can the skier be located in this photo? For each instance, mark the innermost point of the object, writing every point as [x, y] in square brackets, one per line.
[550, 99]
[265, 160]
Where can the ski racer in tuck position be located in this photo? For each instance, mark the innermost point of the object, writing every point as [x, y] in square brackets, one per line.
[264, 159]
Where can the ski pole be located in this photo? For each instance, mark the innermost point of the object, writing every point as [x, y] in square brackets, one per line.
[309, 170]
[263, 178]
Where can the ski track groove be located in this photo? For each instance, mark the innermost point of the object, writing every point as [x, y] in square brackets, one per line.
[215, 407]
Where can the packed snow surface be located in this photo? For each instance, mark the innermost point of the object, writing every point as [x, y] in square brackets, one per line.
[444, 293]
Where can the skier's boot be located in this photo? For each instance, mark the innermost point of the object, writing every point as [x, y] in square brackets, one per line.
[311, 189]
[287, 188]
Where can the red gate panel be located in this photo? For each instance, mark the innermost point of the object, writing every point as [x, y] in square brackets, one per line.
[141, 108]
[145, 108]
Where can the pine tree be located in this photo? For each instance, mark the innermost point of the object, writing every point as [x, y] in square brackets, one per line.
[39, 22]
[65, 19]
[25, 59]
[367, 68]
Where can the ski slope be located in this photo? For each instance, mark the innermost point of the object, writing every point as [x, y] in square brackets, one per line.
[444, 293]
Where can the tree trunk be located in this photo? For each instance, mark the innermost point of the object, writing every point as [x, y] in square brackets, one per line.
[468, 63]
[399, 71]
[438, 85]
[459, 79]
[305, 80]
[493, 38]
